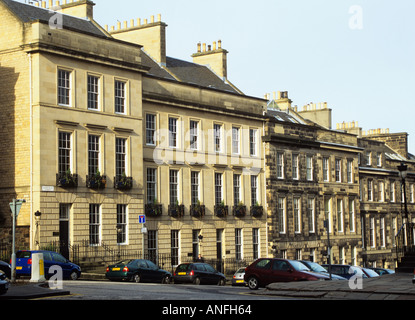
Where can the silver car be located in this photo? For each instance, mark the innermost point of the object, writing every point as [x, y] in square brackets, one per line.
[238, 278]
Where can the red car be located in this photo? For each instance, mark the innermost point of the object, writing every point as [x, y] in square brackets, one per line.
[267, 270]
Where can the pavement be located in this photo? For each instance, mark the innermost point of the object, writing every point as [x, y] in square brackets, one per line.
[398, 286]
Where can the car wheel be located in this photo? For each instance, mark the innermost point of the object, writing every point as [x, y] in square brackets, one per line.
[253, 283]
[165, 280]
[137, 278]
[74, 275]
[222, 282]
[196, 281]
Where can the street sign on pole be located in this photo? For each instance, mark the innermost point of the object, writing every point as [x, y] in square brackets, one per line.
[16, 206]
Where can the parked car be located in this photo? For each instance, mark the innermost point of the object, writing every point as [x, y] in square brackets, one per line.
[138, 270]
[5, 267]
[346, 271]
[315, 267]
[4, 283]
[238, 278]
[50, 258]
[382, 271]
[198, 273]
[266, 270]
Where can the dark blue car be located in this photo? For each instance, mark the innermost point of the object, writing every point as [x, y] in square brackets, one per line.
[24, 264]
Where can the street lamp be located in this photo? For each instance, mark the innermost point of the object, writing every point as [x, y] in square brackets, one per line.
[403, 173]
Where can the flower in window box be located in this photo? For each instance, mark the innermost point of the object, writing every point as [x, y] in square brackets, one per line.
[67, 180]
[197, 210]
[221, 210]
[96, 181]
[123, 182]
[239, 210]
[176, 210]
[257, 210]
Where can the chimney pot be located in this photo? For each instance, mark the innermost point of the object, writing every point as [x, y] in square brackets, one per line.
[204, 47]
[159, 17]
[152, 19]
[220, 44]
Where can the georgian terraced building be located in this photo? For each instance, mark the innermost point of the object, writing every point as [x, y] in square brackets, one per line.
[105, 127]
[100, 126]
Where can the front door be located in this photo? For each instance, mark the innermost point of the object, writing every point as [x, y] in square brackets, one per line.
[64, 211]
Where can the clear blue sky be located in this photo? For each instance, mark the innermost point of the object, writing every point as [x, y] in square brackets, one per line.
[305, 47]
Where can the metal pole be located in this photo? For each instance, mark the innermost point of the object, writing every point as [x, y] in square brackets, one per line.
[13, 279]
[326, 222]
[406, 243]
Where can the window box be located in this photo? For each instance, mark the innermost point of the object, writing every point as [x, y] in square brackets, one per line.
[176, 210]
[221, 210]
[153, 210]
[123, 182]
[67, 180]
[257, 211]
[239, 210]
[96, 181]
[197, 210]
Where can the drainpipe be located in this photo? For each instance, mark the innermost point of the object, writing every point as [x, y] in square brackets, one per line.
[31, 149]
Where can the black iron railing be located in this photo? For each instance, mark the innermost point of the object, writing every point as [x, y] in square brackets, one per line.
[404, 239]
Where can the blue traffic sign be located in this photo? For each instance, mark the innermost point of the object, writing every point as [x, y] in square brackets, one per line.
[142, 219]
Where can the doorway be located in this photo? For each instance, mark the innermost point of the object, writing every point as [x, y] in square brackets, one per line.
[64, 214]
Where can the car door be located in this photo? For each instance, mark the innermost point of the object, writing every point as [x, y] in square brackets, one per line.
[201, 273]
[212, 274]
[143, 270]
[281, 271]
[153, 271]
[263, 271]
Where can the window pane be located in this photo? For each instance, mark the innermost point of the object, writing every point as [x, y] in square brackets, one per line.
[151, 185]
[150, 129]
[64, 153]
[120, 156]
[64, 87]
[93, 155]
[93, 92]
[119, 97]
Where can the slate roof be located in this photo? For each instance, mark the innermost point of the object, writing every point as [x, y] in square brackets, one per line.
[186, 72]
[175, 69]
[28, 13]
[284, 116]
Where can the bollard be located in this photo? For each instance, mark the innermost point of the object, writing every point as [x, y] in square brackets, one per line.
[413, 279]
[38, 268]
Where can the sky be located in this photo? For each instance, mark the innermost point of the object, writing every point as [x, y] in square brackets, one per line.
[356, 55]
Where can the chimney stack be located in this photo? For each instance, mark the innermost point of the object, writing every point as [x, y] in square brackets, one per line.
[151, 35]
[215, 58]
[80, 8]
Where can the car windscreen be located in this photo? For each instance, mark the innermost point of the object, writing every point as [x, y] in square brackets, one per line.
[316, 267]
[297, 265]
